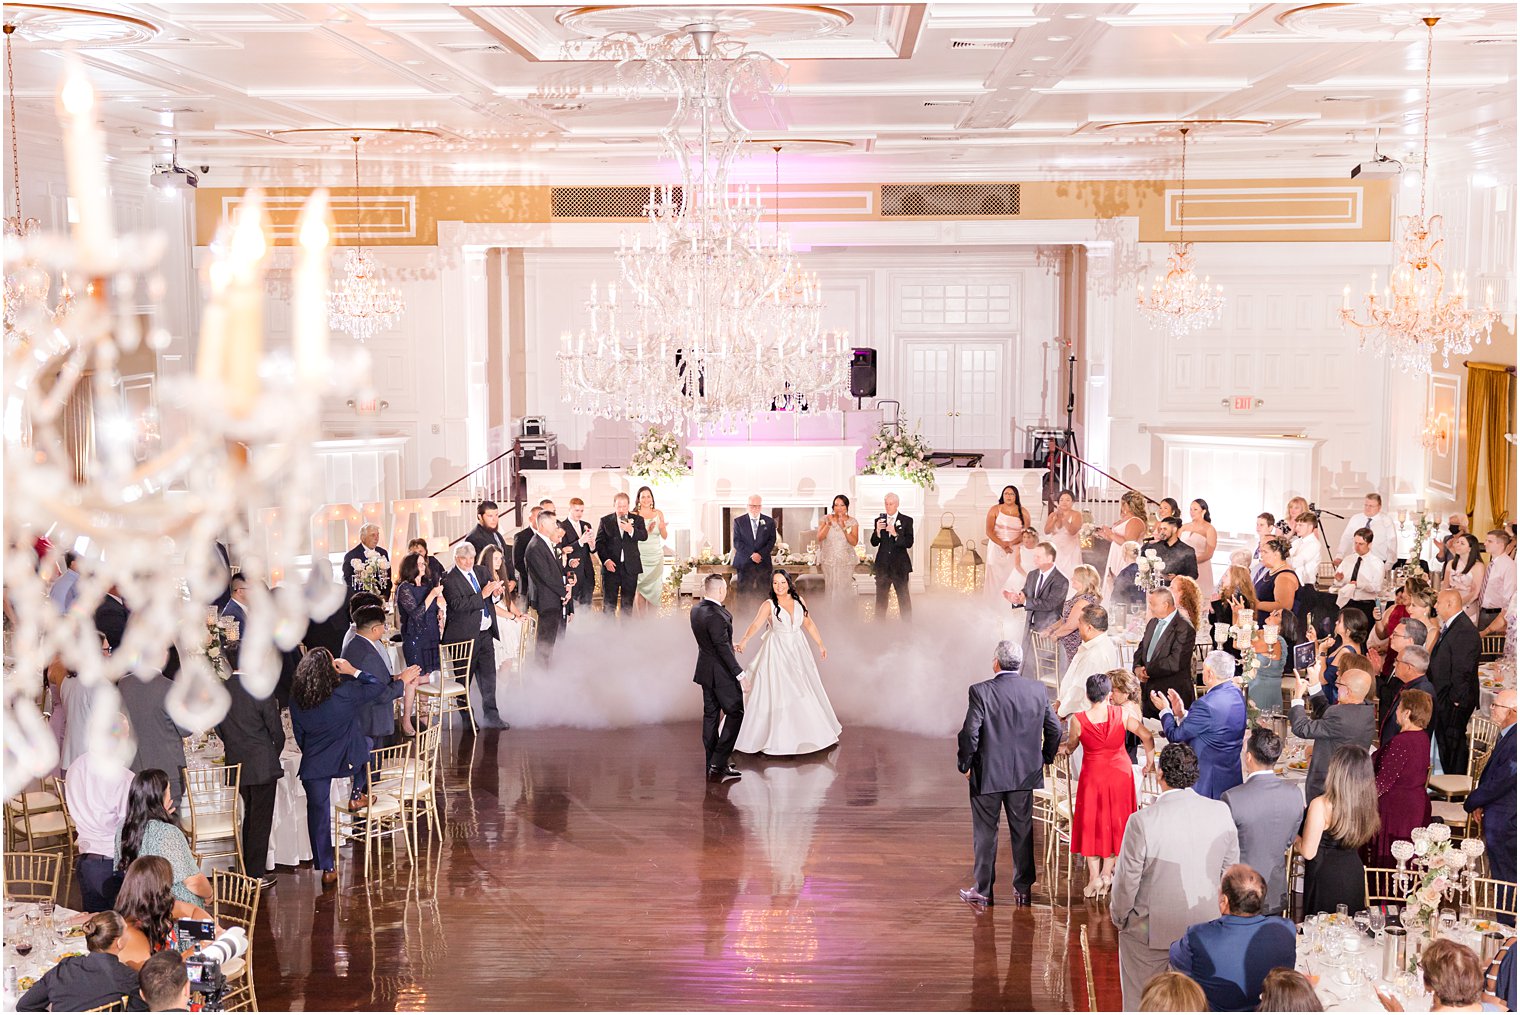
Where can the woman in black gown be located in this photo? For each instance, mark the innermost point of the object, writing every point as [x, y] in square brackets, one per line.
[1339, 823]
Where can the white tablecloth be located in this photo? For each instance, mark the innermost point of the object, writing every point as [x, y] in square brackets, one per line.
[47, 944]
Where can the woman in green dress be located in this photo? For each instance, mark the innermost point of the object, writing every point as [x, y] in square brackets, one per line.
[651, 551]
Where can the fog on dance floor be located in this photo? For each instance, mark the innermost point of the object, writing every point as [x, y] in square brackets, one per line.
[907, 676]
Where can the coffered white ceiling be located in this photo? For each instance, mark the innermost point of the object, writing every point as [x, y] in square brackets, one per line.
[1003, 91]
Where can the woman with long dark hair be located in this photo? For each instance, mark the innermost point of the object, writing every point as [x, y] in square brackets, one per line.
[1063, 526]
[838, 535]
[1465, 571]
[150, 830]
[149, 910]
[1351, 630]
[418, 611]
[1200, 534]
[1006, 522]
[1338, 824]
[328, 698]
[788, 711]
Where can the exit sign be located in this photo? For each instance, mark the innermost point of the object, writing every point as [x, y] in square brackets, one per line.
[1244, 403]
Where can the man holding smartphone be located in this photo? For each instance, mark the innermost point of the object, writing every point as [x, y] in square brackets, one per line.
[892, 535]
[470, 597]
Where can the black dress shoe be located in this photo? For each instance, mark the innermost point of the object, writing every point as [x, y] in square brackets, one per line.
[267, 881]
[975, 898]
[724, 774]
[1020, 898]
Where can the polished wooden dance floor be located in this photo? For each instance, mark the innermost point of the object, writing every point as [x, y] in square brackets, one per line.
[599, 870]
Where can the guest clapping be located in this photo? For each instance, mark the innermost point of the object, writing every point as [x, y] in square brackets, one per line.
[1106, 782]
[1214, 725]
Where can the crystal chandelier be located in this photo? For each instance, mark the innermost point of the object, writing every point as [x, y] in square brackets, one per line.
[362, 304]
[1416, 316]
[1178, 301]
[707, 325]
[145, 518]
[27, 284]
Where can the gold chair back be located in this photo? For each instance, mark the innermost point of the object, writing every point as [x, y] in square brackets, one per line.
[32, 877]
[1381, 887]
[211, 811]
[235, 903]
[1492, 899]
[120, 1004]
[1087, 970]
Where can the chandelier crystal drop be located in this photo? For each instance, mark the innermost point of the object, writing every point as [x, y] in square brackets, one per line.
[362, 304]
[143, 506]
[1418, 315]
[708, 322]
[1179, 302]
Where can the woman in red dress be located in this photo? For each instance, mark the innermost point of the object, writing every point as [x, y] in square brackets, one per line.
[1106, 782]
[1401, 769]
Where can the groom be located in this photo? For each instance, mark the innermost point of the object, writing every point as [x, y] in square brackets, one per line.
[718, 672]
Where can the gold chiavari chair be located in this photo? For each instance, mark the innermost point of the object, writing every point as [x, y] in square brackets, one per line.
[383, 817]
[1063, 805]
[235, 903]
[1493, 900]
[452, 693]
[1381, 887]
[32, 877]
[1294, 866]
[211, 812]
[1482, 734]
[1491, 646]
[528, 640]
[120, 1004]
[1046, 658]
[42, 815]
[1087, 969]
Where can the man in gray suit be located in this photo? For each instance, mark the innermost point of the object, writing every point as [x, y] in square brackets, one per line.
[1044, 594]
[1010, 734]
[160, 741]
[1351, 720]
[1173, 856]
[1267, 810]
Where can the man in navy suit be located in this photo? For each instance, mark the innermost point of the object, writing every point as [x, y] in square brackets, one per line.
[1493, 799]
[367, 652]
[1009, 735]
[1230, 957]
[237, 604]
[1214, 726]
[754, 538]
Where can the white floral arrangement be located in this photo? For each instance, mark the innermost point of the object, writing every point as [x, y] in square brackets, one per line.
[221, 639]
[373, 573]
[1085, 534]
[904, 455]
[659, 456]
[1148, 571]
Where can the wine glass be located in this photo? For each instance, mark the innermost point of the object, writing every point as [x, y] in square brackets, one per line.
[1376, 921]
[1362, 919]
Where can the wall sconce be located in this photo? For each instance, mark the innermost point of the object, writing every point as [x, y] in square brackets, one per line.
[1435, 435]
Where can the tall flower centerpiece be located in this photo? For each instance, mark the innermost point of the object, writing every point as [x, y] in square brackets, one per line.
[371, 575]
[659, 457]
[1148, 571]
[904, 454]
[1443, 870]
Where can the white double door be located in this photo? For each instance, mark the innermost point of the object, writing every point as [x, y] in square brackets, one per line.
[956, 392]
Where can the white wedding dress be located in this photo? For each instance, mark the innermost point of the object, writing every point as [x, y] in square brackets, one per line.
[786, 710]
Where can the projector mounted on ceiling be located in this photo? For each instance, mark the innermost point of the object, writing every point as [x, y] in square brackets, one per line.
[1380, 168]
[174, 176]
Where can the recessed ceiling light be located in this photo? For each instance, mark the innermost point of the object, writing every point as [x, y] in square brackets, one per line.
[412, 63]
[1042, 59]
[1059, 38]
[1074, 17]
[1024, 74]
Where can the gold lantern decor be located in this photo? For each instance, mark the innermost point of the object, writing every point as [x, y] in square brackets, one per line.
[942, 552]
[973, 569]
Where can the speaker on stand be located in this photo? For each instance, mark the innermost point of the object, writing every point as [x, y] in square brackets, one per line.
[862, 374]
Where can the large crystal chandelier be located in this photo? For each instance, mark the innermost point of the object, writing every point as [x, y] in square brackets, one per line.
[145, 519]
[708, 323]
[362, 304]
[1417, 316]
[27, 284]
[1179, 302]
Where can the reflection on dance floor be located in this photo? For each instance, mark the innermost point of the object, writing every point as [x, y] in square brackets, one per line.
[599, 869]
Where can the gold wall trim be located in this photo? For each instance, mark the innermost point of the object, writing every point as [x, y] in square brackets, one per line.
[1277, 211]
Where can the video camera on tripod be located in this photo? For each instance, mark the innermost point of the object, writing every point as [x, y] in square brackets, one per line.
[204, 965]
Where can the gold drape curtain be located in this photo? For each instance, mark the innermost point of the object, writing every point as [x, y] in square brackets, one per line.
[1490, 415]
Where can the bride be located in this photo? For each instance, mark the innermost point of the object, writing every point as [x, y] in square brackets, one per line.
[788, 711]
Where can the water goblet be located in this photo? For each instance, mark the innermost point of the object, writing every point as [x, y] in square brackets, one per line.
[1334, 946]
[1448, 922]
[1376, 921]
[1363, 919]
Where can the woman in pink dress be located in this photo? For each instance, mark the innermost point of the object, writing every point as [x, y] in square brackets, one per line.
[1062, 526]
[1106, 783]
[1200, 534]
[1129, 528]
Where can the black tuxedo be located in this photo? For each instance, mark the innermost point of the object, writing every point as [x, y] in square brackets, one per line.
[622, 583]
[718, 672]
[111, 620]
[1454, 672]
[518, 565]
[355, 558]
[1169, 666]
[465, 608]
[582, 564]
[1009, 735]
[546, 594]
[750, 538]
[893, 564]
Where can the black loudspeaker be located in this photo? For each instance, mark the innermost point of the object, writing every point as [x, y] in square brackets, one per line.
[863, 373]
